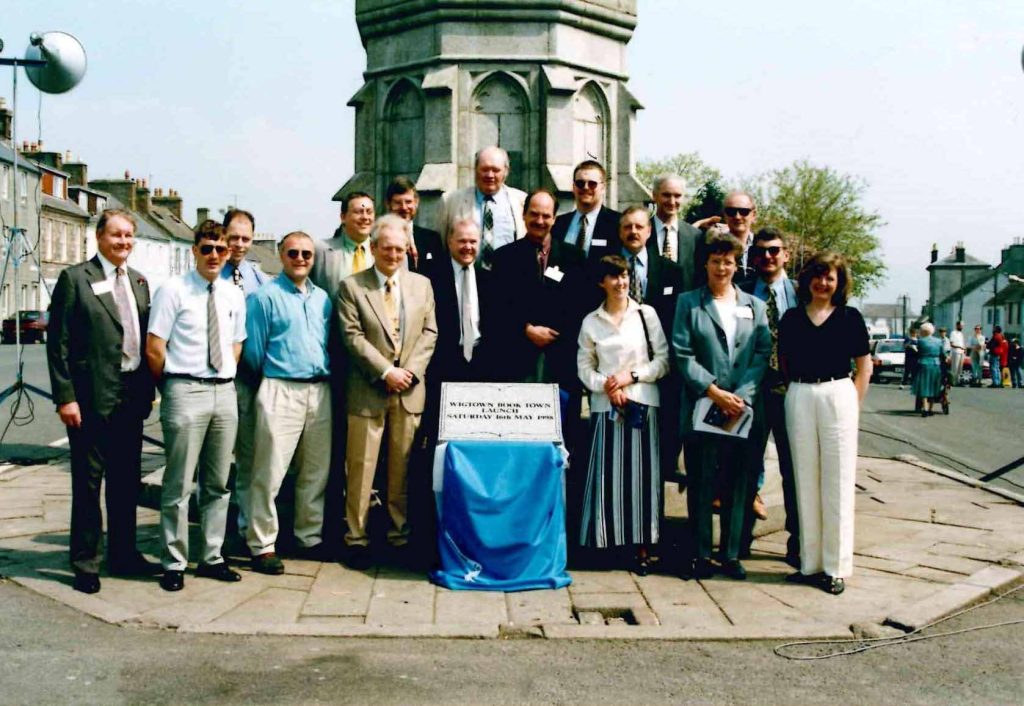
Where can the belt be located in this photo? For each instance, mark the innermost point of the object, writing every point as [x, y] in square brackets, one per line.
[814, 381]
[318, 378]
[193, 378]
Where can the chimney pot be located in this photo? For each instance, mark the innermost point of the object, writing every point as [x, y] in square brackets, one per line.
[127, 175]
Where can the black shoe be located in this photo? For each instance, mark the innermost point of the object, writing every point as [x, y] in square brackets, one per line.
[318, 552]
[172, 580]
[702, 569]
[218, 572]
[138, 565]
[833, 585]
[358, 558]
[267, 564]
[86, 583]
[733, 569]
[805, 579]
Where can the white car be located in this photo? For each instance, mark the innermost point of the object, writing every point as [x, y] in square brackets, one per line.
[888, 359]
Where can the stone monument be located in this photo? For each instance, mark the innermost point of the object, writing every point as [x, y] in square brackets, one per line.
[544, 79]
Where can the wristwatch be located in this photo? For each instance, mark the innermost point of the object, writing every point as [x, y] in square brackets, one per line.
[636, 378]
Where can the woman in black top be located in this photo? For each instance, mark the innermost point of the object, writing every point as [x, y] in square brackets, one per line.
[817, 342]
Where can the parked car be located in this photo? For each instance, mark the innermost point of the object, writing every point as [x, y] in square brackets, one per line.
[966, 375]
[33, 327]
[888, 358]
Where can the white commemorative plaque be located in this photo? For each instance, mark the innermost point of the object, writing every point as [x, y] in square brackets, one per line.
[506, 411]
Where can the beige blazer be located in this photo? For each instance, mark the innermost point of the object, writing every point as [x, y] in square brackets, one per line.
[364, 329]
[462, 204]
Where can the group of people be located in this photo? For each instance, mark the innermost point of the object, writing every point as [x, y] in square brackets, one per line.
[339, 360]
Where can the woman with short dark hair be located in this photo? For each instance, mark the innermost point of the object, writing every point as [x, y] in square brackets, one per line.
[818, 341]
[622, 354]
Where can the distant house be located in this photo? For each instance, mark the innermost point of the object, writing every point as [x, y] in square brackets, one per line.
[19, 194]
[964, 288]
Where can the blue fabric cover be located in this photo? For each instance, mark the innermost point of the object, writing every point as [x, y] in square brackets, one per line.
[501, 519]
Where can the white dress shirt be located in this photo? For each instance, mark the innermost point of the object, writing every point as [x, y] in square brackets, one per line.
[128, 363]
[504, 231]
[606, 349]
[956, 339]
[474, 299]
[179, 317]
[659, 227]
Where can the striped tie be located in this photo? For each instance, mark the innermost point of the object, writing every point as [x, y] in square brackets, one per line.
[213, 331]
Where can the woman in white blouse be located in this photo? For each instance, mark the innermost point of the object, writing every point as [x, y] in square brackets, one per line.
[622, 354]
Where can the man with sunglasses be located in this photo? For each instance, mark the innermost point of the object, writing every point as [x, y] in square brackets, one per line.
[769, 256]
[740, 214]
[287, 325]
[196, 330]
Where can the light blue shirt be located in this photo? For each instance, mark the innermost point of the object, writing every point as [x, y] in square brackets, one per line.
[504, 231]
[572, 234]
[287, 330]
[778, 288]
[641, 267]
[252, 279]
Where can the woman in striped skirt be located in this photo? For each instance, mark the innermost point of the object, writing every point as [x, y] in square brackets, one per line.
[622, 354]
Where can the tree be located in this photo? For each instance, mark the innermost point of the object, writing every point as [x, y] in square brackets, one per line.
[688, 165]
[706, 202]
[821, 209]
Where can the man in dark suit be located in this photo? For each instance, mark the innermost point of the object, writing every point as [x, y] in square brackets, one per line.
[426, 247]
[685, 243]
[103, 392]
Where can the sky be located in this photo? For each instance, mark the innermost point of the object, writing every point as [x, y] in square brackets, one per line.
[234, 102]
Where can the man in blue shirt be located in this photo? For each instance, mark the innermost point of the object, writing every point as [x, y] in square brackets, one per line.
[287, 324]
[769, 256]
[240, 227]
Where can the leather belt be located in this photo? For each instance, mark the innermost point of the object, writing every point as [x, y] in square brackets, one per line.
[202, 381]
[319, 378]
[815, 381]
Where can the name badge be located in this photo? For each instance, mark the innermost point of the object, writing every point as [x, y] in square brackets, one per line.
[102, 287]
[599, 242]
[668, 290]
[554, 273]
[744, 312]
[430, 256]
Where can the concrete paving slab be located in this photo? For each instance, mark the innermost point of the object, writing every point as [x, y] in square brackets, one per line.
[682, 603]
[472, 632]
[995, 577]
[540, 607]
[339, 591]
[470, 607]
[201, 606]
[602, 582]
[397, 600]
[933, 575]
[271, 606]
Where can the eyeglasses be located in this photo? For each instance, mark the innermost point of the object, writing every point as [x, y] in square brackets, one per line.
[207, 249]
[772, 250]
[304, 254]
[733, 211]
[586, 184]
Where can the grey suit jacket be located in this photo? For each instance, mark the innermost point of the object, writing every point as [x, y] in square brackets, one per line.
[702, 354]
[84, 340]
[364, 327]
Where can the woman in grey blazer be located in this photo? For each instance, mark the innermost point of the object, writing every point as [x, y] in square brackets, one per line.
[721, 343]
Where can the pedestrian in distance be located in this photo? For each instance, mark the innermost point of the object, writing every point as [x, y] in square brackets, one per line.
[929, 385]
[1015, 361]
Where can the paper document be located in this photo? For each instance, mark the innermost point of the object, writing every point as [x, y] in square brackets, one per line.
[708, 417]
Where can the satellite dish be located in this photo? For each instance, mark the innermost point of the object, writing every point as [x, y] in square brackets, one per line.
[65, 61]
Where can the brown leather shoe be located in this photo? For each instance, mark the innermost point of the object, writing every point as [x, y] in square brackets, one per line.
[760, 509]
[267, 564]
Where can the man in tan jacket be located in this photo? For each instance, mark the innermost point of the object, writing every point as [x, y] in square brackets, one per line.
[389, 329]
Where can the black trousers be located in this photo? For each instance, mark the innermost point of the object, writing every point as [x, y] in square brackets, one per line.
[725, 463]
[106, 448]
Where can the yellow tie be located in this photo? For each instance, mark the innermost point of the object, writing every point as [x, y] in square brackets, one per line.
[391, 309]
[359, 259]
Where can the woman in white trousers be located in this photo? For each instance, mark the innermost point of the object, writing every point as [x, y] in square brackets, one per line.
[817, 343]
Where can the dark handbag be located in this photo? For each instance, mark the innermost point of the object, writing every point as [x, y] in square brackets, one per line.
[635, 413]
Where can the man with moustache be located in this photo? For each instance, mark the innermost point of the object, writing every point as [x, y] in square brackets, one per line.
[195, 337]
[425, 246]
[494, 206]
[99, 313]
[672, 237]
[389, 330]
[287, 327]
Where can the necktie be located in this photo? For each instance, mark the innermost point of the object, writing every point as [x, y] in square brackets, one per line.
[130, 343]
[581, 236]
[213, 330]
[542, 261]
[635, 290]
[359, 259]
[668, 250]
[773, 327]
[468, 331]
[391, 309]
[236, 278]
[487, 244]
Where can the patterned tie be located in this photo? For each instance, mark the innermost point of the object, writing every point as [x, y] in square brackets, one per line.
[468, 331]
[542, 261]
[236, 277]
[581, 236]
[773, 327]
[635, 290]
[359, 259]
[487, 244]
[213, 330]
[668, 251]
[130, 343]
[391, 309]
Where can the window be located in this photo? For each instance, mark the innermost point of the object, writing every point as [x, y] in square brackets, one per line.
[499, 118]
[23, 193]
[404, 131]
[5, 182]
[589, 123]
[58, 186]
[47, 245]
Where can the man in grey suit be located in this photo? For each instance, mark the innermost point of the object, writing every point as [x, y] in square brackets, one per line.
[684, 244]
[348, 251]
[98, 319]
[389, 330]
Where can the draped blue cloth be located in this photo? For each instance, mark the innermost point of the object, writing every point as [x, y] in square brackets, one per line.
[501, 517]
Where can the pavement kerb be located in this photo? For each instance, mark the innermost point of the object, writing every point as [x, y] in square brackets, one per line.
[976, 588]
[960, 477]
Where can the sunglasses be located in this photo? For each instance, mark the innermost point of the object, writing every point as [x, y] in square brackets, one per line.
[295, 254]
[772, 250]
[733, 211]
[586, 184]
[207, 249]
